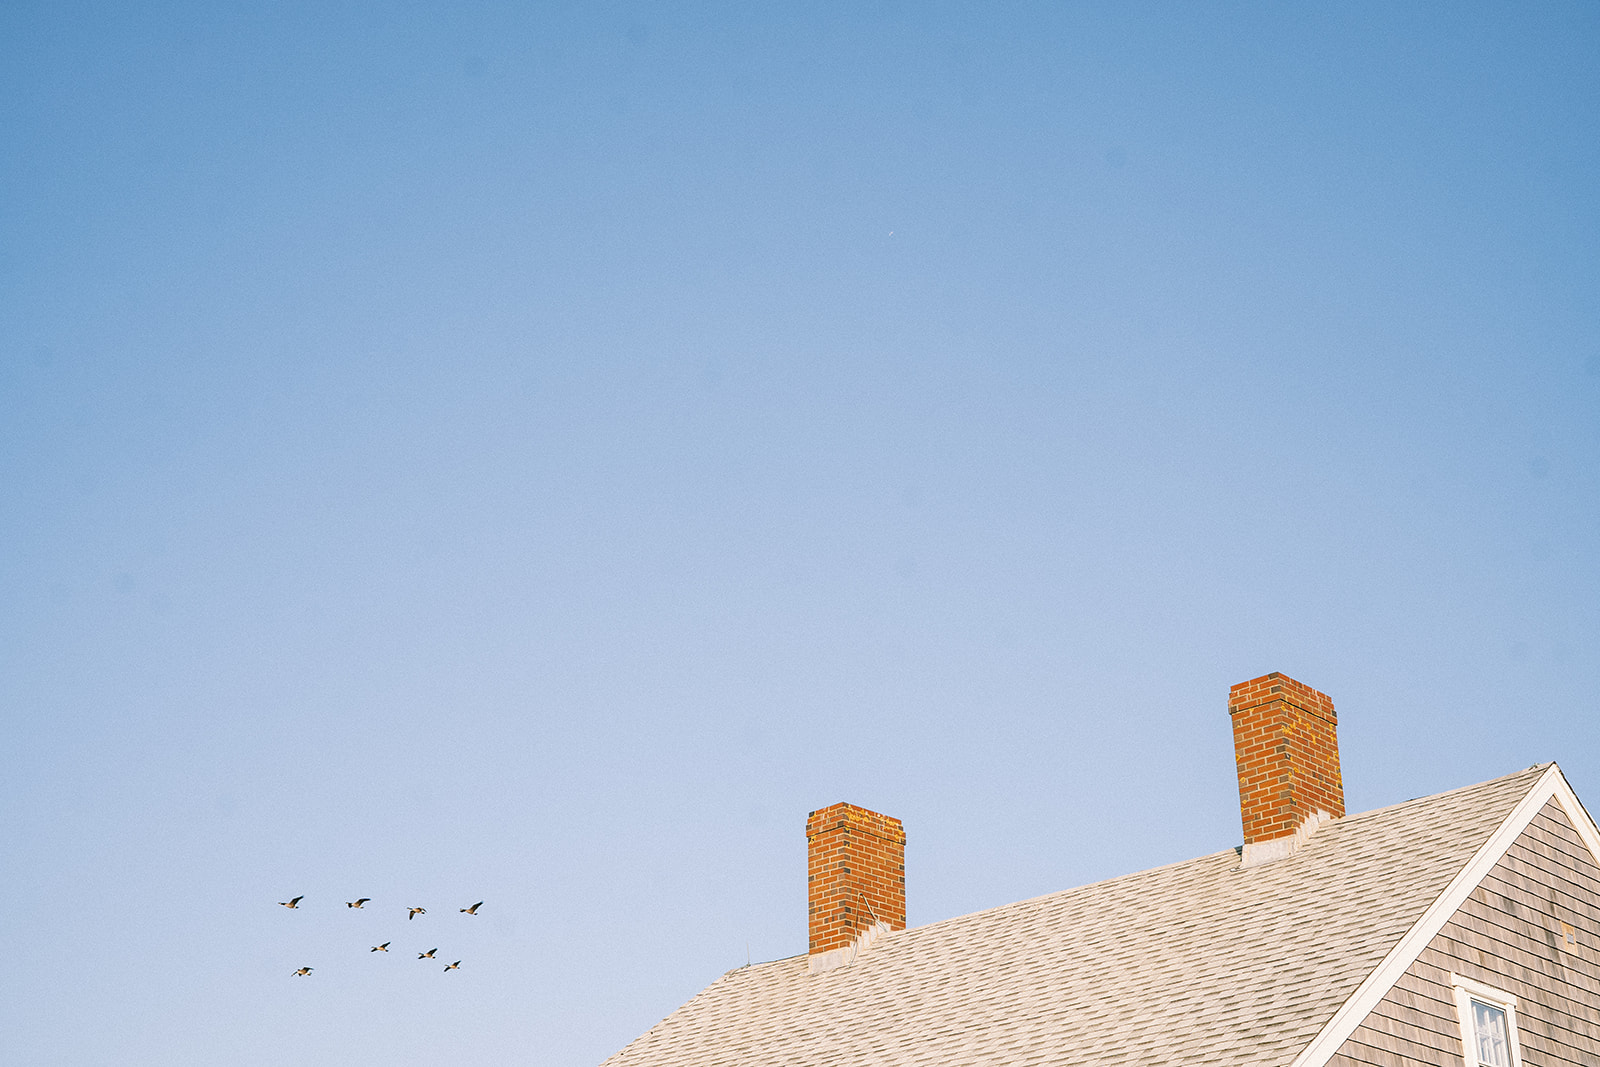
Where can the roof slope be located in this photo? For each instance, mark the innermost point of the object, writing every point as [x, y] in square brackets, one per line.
[1198, 962]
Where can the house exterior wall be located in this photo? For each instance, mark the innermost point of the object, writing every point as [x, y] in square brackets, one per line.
[1509, 935]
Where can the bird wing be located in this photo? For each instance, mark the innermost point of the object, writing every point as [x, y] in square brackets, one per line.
[296, 900]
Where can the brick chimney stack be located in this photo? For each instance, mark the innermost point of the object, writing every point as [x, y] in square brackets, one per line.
[856, 874]
[1286, 743]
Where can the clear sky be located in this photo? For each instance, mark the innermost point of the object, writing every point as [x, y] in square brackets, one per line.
[538, 452]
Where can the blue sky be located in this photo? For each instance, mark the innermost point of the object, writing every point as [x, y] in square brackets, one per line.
[537, 453]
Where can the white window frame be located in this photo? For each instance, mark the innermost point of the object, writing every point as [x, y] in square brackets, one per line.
[1466, 991]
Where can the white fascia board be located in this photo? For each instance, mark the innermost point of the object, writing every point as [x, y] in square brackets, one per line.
[1354, 1011]
[1578, 815]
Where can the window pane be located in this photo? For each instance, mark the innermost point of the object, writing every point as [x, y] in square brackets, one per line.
[1489, 1024]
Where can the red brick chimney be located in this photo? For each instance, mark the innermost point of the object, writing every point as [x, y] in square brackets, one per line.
[1286, 743]
[856, 874]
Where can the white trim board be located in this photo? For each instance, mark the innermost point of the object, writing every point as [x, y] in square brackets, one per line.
[1551, 784]
[1578, 815]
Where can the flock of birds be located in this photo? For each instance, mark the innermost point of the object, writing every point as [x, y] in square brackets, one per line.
[293, 904]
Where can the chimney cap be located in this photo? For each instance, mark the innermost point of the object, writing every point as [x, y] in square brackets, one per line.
[842, 814]
[1279, 686]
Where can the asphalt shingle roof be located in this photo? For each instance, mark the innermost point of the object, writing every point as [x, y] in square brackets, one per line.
[1197, 962]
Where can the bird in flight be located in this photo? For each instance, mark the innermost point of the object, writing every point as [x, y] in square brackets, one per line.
[456, 966]
[428, 955]
[381, 948]
[472, 910]
[295, 903]
[357, 902]
[412, 913]
[302, 972]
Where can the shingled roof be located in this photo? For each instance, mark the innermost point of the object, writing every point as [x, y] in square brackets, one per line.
[1197, 962]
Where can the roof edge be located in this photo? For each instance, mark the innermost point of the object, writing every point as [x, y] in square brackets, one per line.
[1354, 1011]
[1582, 821]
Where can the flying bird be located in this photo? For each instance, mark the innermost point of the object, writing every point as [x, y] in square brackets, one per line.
[295, 903]
[456, 966]
[302, 972]
[474, 909]
[357, 902]
[428, 955]
[412, 913]
[381, 948]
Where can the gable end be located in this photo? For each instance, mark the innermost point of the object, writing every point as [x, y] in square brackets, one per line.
[1498, 921]
[1530, 928]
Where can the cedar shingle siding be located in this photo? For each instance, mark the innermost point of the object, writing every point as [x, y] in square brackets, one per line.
[1508, 935]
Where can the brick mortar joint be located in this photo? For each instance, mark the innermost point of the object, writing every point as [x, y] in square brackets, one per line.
[1330, 717]
[893, 837]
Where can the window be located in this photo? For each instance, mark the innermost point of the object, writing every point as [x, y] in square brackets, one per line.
[1488, 1024]
[1491, 1041]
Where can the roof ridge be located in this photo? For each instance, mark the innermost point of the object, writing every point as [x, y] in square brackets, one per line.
[1540, 768]
[1534, 771]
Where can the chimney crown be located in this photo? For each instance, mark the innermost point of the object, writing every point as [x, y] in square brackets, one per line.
[856, 874]
[1285, 740]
